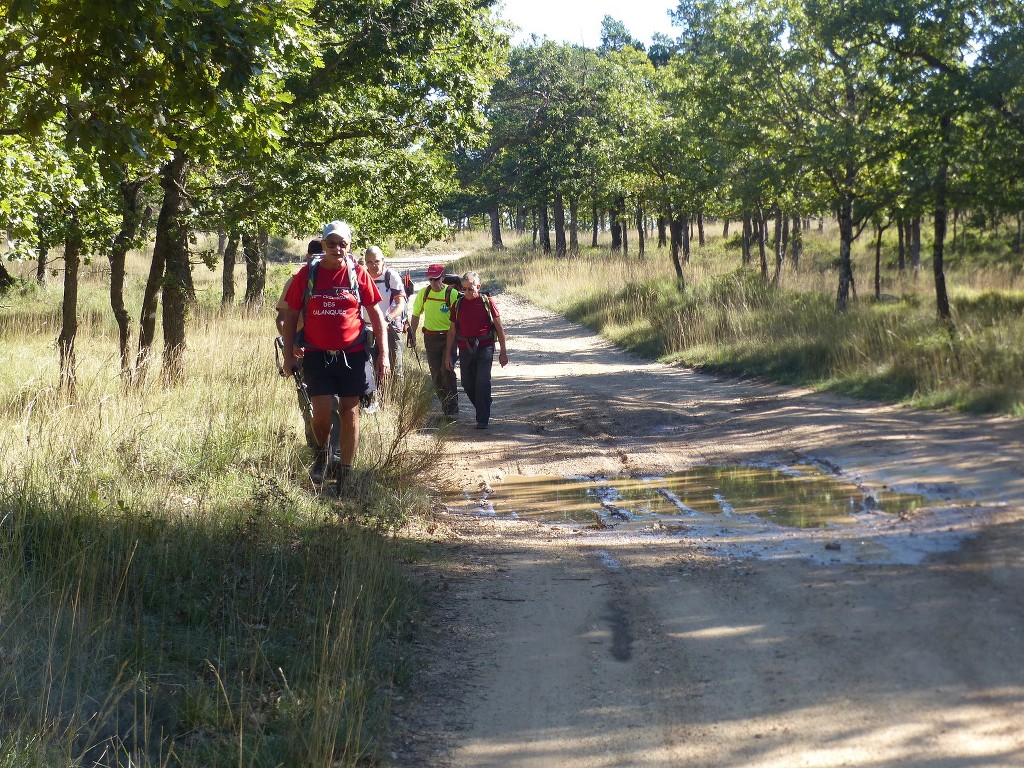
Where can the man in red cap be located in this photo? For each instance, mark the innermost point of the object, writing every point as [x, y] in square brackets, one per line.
[434, 302]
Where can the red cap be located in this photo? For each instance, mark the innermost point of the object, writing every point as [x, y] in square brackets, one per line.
[435, 270]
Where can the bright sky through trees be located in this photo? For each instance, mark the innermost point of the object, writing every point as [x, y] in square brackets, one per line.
[579, 21]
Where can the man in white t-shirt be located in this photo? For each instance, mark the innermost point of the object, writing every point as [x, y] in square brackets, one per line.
[392, 303]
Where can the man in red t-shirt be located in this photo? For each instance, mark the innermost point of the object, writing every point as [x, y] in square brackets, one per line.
[334, 360]
[475, 327]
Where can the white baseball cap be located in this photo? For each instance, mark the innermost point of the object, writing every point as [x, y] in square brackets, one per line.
[339, 228]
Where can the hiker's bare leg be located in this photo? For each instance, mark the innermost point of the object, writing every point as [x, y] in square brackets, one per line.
[349, 411]
[322, 407]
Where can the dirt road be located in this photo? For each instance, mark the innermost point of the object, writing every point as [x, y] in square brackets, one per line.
[893, 641]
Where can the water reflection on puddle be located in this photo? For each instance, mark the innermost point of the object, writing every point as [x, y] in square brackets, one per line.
[801, 496]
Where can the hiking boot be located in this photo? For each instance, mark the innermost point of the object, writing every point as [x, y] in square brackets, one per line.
[316, 472]
[481, 426]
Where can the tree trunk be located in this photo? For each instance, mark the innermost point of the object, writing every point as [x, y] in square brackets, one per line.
[41, 263]
[748, 234]
[762, 226]
[662, 231]
[798, 243]
[69, 307]
[915, 243]
[597, 213]
[559, 210]
[616, 229]
[725, 228]
[1018, 243]
[676, 228]
[147, 317]
[172, 238]
[777, 244]
[545, 228]
[878, 259]
[255, 254]
[685, 219]
[785, 237]
[941, 184]
[640, 231]
[6, 278]
[901, 257]
[574, 225]
[151, 295]
[131, 221]
[623, 226]
[700, 228]
[227, 281]
[495, 215]
[845, 261]
[147, 222]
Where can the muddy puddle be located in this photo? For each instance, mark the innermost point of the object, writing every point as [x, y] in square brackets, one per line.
[801, 496]
[799, 511]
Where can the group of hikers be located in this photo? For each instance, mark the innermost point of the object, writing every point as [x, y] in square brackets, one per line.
[343, 324]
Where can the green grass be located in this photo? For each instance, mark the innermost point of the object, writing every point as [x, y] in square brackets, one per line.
[171, 592]
[728, 320]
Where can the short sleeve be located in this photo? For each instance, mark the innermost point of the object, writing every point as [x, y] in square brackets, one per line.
[369, 296]
[296, 289]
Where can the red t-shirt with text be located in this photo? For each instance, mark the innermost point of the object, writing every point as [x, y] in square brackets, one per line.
[332, 312]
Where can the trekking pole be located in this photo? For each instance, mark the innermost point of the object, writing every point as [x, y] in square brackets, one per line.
[279, 354]
[300, 386]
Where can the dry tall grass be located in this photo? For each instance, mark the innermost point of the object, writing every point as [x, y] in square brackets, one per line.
[728, 319]
[171, 592]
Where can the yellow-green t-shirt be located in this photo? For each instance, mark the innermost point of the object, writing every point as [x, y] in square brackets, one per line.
[435, 306]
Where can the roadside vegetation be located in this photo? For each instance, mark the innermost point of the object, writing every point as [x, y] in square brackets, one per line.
[728, 319]
[171, 592]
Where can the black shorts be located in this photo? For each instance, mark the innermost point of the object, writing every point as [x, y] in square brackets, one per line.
[342, 373]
